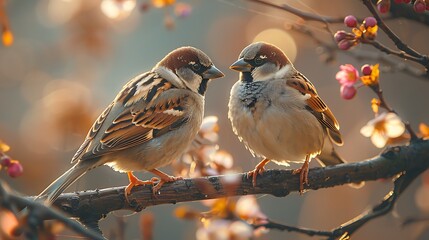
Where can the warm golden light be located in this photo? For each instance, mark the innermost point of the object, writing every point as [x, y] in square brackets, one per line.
[117, 10]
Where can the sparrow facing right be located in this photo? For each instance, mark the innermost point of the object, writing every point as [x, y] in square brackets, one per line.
[151, 122]
[276, 111]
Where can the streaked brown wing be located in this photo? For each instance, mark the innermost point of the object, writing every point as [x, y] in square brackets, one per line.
[134, 127]
[92, 132]
[316, 106]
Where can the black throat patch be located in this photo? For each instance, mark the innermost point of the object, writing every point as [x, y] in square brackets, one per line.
[203, 86]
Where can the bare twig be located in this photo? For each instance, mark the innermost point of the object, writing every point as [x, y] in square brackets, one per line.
[302, 14]
[398, 42]
[422, 59]
[347, 229]
[388, 50]
[36, 212]
[385, 105]
[405, 53]
[311, 232]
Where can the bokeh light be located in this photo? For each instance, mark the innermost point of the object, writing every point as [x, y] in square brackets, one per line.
[57, 12]
[117, 10]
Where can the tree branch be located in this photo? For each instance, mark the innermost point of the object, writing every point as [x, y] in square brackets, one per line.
[398, 42]
[422, 59]
[347, 229]
[36, 212]
[97, 203]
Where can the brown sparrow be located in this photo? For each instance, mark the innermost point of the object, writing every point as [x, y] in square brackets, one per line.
[276, 111]
[151, 122]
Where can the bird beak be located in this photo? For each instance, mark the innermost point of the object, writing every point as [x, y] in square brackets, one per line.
[212, 73]
[241, 66]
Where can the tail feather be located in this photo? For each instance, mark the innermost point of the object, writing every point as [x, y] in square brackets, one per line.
[51, 193]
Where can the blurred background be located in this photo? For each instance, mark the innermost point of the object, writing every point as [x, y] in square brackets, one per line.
[69, 58]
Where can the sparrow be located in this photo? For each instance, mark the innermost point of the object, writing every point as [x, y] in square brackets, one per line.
[276, 111]
[151, 122]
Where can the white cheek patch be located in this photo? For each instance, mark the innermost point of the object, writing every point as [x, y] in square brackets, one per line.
[285, 71]
[265, 72]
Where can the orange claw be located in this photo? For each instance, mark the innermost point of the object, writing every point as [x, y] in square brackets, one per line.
[164, 178]
[134, 181]
[303, 174]
[259, 169]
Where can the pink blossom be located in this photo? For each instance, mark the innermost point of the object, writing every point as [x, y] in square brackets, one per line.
[347, 75]
[366, 70]
[346, 44]
[350, 21]
[419, 6]
[348, 91]
[370, 22]
[15, 169]
[5, 161]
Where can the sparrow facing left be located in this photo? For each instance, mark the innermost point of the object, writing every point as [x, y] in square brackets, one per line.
[276, 111]
[151, 122]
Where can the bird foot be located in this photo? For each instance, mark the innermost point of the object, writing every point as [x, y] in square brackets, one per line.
[259, 170]
[164, 178]
[303, 176]
[134, 181]
[157, 187]
[254, 173]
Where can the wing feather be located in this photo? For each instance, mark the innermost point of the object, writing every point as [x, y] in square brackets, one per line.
[316, 106]
[146, 107]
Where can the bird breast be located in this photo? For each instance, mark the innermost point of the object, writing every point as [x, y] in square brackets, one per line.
[271, 119]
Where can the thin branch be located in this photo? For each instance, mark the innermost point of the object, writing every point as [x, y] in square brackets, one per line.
[38, 212]
[331, 49]
[414, 220]
[408, 53]
[385, 105]
[311, 232]
[347, 229]
[387, 50]
[400, 184]
[407, 11]
[398, 42]
[304, 15]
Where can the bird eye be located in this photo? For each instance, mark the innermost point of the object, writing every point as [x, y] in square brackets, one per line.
[196, 66]
[258, 60]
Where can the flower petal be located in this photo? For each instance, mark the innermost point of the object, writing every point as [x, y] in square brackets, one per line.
[379, 139]
[367, 130]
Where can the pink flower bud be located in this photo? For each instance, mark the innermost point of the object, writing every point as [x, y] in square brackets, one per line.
[370, 22]
[350, 21]
[340, 35]
[345, 44]
[5, 161]
[383, 6]
[348, 91]
[15, 169]
[419, 6]
[366, 70]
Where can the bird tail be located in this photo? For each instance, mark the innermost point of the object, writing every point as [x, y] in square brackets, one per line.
[51, 193]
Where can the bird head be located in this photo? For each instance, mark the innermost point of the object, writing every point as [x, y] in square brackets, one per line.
[261, 61]
[192, 68]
